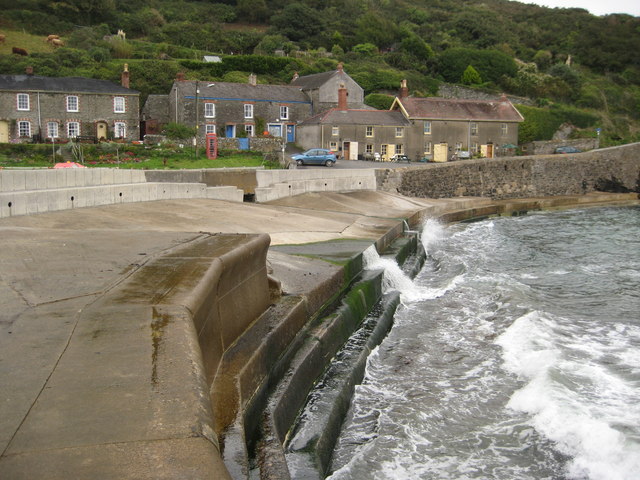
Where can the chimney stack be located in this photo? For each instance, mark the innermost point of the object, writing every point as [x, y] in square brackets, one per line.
[253, 79]
[29, 70]
[340, 67]
[404, 90]
[342, 97]
[180, 77]
[124, 79]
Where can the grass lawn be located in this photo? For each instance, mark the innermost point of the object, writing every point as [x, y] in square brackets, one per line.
[128, 156]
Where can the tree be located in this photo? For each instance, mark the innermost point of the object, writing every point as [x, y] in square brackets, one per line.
[298, 22]
[471, 76]
[254, 10]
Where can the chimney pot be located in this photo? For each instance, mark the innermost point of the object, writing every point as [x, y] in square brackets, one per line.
[404, 90]
[124, 79]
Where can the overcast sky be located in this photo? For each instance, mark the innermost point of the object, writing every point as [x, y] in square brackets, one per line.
[597, 7]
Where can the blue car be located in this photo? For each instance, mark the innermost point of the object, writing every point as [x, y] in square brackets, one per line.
[315, 156]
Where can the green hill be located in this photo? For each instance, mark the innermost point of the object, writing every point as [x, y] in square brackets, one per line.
[575, 66]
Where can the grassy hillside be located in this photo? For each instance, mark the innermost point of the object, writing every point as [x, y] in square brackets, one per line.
[566, 60]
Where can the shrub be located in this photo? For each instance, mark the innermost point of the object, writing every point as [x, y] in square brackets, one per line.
[178, 131]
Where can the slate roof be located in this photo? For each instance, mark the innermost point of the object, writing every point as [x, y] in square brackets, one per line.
[313, 81]
[243, 91]
[359, 117]
[433, 108]
[35, 83]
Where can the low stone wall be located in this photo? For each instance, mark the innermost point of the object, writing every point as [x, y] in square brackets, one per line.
[275, 184]
[614, 169]
[548, 147]
[29, 191]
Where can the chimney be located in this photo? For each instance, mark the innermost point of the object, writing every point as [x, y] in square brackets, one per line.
[342, 97]
[29, 70]
[253, 79]
[124, 79]
[404, 90]
[340, 67]
[180, 77]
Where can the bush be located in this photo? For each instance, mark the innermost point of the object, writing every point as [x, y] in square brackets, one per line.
[178, 131]
[379, 101]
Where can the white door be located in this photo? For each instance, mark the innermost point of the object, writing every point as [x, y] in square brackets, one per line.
[353, 151]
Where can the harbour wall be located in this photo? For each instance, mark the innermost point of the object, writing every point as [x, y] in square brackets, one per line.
[615, 169]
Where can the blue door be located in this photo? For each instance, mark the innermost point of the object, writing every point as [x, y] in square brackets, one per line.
[291, 133]
[231, 131]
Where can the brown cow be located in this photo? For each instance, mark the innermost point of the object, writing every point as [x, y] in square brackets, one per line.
[56, 42]
[3, 37]
[19, 51]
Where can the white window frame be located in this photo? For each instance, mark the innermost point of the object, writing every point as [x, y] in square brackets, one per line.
[383, 149]
[427, 127]
[24, 128]
[399, 148]
[284, 112]
[70, 106]
[209, 110]
[249, 128]
[73, 129]
[120, 130]
[473, 128]
[335, 131]
[53, 130]
[505, 129]
[427, 148]
[399, 132]
[369, 131]
[119, 105]
[248, 110]
[23, 102]
[210, 128]
[333, 146]
[368, 148]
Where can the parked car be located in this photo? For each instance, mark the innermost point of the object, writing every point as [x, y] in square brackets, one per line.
[567, 149]
[400, 157]
[315, 156]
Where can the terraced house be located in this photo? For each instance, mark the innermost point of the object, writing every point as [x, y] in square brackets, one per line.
[442, 127]
[37, 108]
[356, 133]
[247, 109]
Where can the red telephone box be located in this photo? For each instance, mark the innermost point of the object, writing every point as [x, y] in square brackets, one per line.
[212, 146]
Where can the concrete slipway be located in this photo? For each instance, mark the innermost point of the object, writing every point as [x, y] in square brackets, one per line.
[79, 389]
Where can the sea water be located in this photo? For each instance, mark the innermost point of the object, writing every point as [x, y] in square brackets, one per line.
[515, 355]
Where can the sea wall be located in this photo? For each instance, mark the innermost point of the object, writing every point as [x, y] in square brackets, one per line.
[614, 169]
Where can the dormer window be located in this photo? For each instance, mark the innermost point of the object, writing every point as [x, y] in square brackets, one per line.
[72, 103]
[23, 101]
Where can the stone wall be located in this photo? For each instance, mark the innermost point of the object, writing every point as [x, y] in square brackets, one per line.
[446, 90]
[615, 169]
[547, 147]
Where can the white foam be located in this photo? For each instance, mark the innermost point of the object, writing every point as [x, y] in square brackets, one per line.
[573, 400]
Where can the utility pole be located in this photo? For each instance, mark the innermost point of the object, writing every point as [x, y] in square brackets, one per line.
[195, 139]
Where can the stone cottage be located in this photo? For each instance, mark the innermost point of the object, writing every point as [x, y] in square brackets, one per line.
[36, 108]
